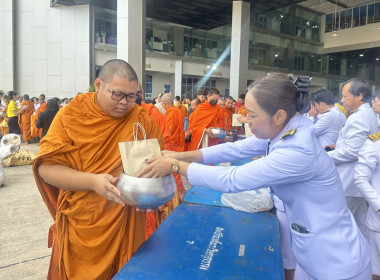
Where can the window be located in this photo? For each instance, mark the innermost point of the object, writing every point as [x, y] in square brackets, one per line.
[377, 12]
[345, 19]
[363, 15]
[148, 86]
[371, 13]
[329, 23]
[190, 86]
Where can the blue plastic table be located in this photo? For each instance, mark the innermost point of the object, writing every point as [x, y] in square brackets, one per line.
[200, 195]
[206, 242]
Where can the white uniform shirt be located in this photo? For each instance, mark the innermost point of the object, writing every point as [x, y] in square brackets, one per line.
[359, 125]
[378, 119]
[367, 180]
[304, 177]
[328, 126]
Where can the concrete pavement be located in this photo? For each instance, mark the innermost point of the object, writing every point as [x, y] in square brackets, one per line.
[24, 225]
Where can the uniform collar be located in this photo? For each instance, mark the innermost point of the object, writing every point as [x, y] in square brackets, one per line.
[361, 107]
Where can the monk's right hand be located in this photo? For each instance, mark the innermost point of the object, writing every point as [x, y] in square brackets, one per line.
[105, 185]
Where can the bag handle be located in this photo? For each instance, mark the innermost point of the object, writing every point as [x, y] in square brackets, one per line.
[136, 127]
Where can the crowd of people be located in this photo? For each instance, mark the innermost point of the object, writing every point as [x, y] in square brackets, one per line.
[21, 115]
[321, 160]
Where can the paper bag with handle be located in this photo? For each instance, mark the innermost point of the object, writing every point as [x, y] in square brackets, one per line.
[134, 153]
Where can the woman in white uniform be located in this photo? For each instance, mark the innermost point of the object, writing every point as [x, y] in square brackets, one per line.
[324, 237]
[367, 180]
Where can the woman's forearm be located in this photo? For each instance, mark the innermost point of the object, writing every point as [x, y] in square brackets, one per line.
[191, 156]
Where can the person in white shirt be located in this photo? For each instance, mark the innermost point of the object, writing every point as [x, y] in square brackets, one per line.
[367, 180]
[361, 123]
[324, 236]
[65, 102]
[376, 106]
[330, 121]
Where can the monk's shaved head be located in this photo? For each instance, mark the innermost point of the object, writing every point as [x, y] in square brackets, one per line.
[119, 68]
[167, 97]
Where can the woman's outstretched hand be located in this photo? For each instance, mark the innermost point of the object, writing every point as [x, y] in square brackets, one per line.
[158, 167]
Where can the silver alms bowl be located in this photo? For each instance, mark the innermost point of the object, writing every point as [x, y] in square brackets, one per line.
[218, 132]
[146, 192]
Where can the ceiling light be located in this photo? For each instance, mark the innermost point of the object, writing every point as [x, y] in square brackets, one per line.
[334, 34]
[319, 59]
[276, 55]
[377, 59]
[208, 66]
[361, 55]
[214, 67]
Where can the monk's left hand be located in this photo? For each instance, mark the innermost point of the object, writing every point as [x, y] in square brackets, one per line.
[158, 167]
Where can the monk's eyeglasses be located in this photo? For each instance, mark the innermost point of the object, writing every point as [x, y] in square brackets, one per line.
[131, 98]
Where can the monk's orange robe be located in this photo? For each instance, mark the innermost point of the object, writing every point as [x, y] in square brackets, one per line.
[159, 118]
[227, 121]
[229, 111]
[205, 116]
[243, 111]
[34, 131]
[183, 111]
[154, 219]
[24, 119]
[92, 237]
[175, 122]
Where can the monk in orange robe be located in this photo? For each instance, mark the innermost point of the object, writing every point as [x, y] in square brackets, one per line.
[227, 119]
[206, 116]
[94, 233]
[34, 131]
[175, 122]
[24, 118]
[228, 106]
[154, 219]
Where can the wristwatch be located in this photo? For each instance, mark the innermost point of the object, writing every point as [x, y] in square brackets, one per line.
[175, 166]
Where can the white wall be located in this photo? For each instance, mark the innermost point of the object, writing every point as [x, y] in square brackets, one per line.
[52, 49]
[6, 46]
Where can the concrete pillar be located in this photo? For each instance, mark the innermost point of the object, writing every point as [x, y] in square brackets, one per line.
[177, 34]
[239, 47]
[7, 13]
[178, 78]
[131, 34]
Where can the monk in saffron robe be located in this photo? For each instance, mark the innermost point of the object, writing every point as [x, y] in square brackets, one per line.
[175, 122]
[154, 219]
[227, 119]
[94, 232]
[228, 106]
[24, 119]
[34, 131]
[181, 107]
[206, 116]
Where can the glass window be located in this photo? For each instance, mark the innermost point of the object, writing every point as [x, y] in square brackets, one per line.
[148, 84]
[377, 12]
[363, 15]
[345, 19]
[371, 13]
[355, 17]
[329, 23]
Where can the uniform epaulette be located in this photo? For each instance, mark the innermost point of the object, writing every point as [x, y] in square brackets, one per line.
[288, 133]
[374, 137]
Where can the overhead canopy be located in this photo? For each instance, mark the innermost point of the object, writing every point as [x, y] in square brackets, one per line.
[201, 14]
